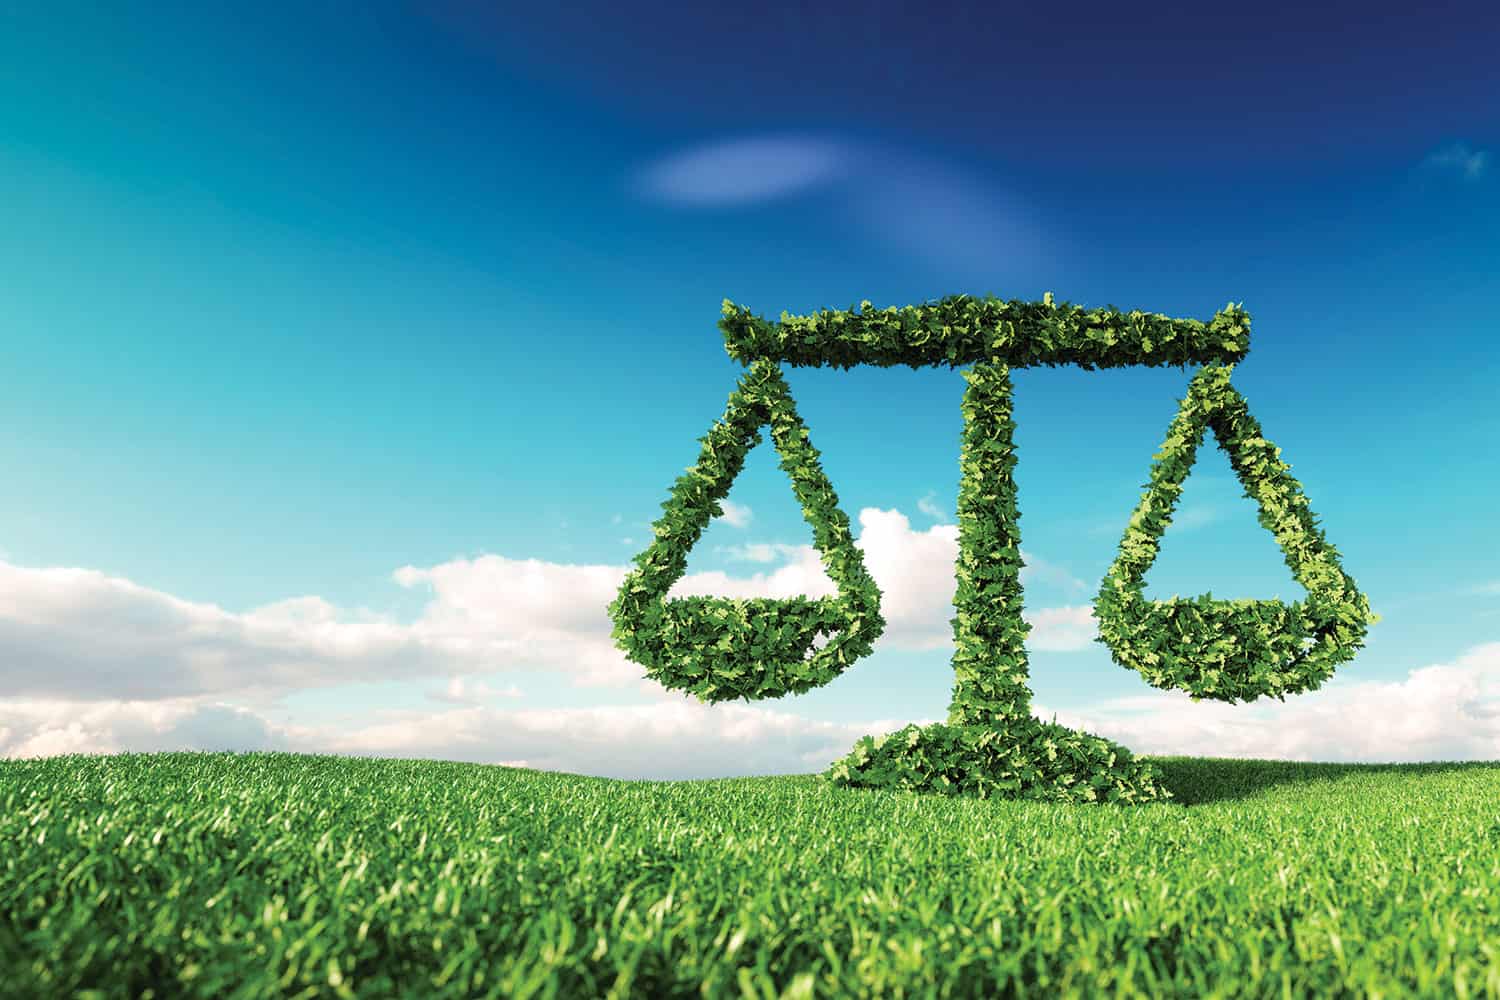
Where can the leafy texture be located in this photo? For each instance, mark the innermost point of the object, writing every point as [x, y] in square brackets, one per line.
[962, 329]
[1228, 650]
[991, 745]
[719, 649]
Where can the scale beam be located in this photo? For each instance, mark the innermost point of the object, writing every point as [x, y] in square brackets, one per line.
[962, 330]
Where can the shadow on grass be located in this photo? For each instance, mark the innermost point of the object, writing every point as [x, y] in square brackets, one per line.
[1200, 780]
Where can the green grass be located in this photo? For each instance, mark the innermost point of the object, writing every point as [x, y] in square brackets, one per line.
[246, 875]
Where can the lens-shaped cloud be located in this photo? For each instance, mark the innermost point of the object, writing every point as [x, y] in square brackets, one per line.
[1458, 156]
[742, 171]
[956, 221]
[921, 207]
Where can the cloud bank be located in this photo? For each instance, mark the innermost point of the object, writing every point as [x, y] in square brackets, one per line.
[1447, 711]
[98, 664]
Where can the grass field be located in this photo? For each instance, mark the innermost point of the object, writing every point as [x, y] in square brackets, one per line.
[247, 875]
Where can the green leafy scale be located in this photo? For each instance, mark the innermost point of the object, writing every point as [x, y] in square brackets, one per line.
[1241, 649]
[719, 649]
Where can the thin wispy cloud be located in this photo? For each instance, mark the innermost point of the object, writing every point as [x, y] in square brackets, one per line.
[1192, 518]
[1186, 519]
[759, 552]
[916, 205]
[932, 510]
[958, 222]
[1459, 158]
[742, 171]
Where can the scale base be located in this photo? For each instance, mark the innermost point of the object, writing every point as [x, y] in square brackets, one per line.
[1026, 759]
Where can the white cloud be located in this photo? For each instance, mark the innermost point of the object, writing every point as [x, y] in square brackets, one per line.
[1448, 711]
[736, 514]
[1470, 163]
[741, 171]
[932, 510]
[467, 691]
[96, 664]
[81, 634]
[48, 727]
[760, 552]
[674, 739]
[1061, 630]
[1440, 712]
[915, 573]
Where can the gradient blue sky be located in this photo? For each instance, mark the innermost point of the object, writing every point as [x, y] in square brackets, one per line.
[349, 353]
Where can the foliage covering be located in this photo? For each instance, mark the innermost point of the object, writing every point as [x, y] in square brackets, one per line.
[1241, 649]
[991, 745]
[724, 648]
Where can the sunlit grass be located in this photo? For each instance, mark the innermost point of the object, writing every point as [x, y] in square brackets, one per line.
[240, 875]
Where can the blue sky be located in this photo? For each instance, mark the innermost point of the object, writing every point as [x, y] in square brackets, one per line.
[347, 360]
